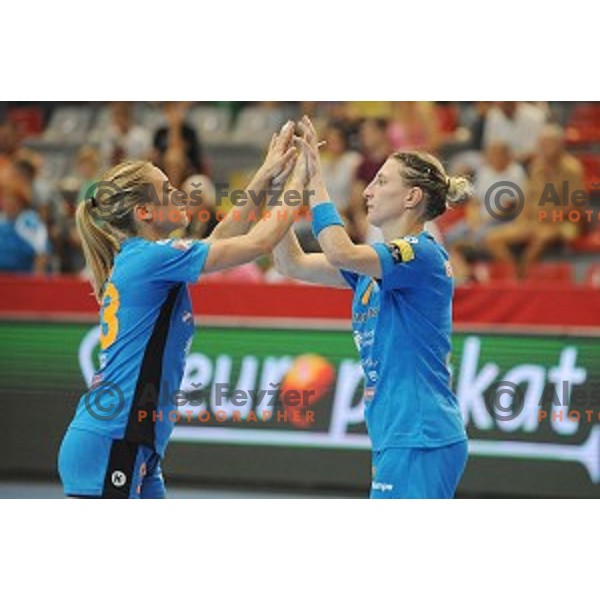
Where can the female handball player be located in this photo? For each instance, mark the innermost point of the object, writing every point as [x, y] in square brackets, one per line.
[140, 278]
[401, 317]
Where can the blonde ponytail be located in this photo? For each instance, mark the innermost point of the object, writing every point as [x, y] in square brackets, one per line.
[99, 247]
[105, 218]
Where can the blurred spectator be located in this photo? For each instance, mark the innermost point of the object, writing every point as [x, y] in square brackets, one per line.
[123, 139]
[176, 166]
[369, 109]
[465, 157]
[176, 146]
[553, 173]
[88, 166]
[375, 149]
[471, 232]
[374, 128]
[9, 143]
[414, 126]
[472, 121]
[68, 256]
[322, 114]
[73, 189]
[518, 123]
[23, 235]
[339, 166]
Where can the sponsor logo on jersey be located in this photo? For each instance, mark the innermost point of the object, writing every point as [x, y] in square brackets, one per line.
[411, 239]
[401, 250]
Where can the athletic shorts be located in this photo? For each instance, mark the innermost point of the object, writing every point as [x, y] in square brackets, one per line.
[418, 472]
[92, 465]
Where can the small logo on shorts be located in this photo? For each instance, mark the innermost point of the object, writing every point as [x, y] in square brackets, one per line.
[382, 487]
[118, 478]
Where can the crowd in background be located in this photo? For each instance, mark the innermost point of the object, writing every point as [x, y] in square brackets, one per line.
[532, 145]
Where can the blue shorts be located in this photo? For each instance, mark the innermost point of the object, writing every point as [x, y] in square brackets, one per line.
[92, 465]
[418, 472]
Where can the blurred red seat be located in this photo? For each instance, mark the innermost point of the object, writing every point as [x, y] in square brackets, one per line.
[591, 171]
[450, 218]
[589, 242]
[29, 121]
[584, 124]
[447, 117]
[555, 271]
[494, 271]
[592, 276]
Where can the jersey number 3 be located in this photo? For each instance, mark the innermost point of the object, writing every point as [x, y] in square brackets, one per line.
[109, 323]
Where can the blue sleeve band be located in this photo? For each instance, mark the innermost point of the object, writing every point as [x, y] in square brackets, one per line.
[325, 215]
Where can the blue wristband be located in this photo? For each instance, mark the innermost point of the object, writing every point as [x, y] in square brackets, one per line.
[325, 215]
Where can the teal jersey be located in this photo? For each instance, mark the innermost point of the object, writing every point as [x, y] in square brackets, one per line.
[402, 327]
[146, 324]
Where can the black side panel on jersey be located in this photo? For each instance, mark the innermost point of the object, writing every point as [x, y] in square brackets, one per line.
[147, 389]
[119, 473]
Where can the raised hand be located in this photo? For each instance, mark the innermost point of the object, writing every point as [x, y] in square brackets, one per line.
[281, 156]
[310, 137]
[308, 165]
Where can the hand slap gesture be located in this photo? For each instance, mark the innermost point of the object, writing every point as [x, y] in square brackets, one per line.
[281, 156]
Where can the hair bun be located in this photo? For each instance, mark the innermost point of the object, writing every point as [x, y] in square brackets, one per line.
[460, 189]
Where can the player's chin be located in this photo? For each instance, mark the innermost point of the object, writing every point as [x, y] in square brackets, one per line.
[185, 219]
[372, 218]
[181, 220]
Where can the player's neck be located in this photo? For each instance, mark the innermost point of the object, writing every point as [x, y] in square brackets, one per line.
[404, 225]
[148, 233]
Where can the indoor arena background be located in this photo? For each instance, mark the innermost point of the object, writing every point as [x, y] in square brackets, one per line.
[526, 352]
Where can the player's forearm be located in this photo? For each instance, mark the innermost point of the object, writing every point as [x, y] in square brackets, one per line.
[338, 247]
[239, 218]
[274, 225]
[335, 241]
[317, 191]
[288, 256]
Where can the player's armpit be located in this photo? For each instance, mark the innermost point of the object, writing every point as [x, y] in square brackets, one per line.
[315, 268]
[291, 261]
[342, 253]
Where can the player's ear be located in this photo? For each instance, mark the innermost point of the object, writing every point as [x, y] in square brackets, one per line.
[414, 197]
[143, 213]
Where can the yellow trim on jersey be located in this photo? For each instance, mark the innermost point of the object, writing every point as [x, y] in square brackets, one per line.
[367, 294]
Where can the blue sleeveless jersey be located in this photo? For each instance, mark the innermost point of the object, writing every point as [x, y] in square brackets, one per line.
[146, 325]
[402, 327]
[21, 240]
